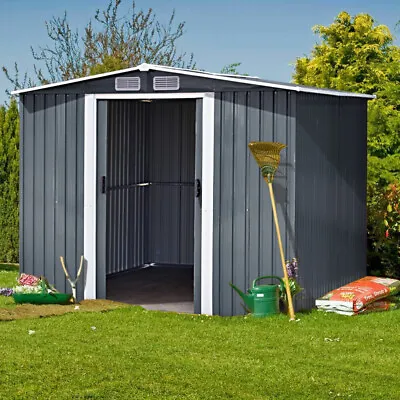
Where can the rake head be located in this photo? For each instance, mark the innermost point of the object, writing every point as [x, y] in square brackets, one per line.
[267, 155]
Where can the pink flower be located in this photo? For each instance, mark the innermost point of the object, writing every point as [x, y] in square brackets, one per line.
[29, 280]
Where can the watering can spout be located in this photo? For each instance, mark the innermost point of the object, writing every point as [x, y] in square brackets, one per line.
[248, 300]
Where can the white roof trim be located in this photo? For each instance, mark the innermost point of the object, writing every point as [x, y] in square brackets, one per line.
[211, 75]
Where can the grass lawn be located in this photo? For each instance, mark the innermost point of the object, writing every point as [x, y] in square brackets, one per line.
[131, 353]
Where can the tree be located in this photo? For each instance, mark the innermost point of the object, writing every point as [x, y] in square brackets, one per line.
[9, 182]
[112, 42]
[232, 69]
[355, 54]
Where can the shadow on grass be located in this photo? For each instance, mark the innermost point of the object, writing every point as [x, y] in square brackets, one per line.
[9, 267]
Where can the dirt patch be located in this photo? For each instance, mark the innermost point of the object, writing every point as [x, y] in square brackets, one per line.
[23, 311]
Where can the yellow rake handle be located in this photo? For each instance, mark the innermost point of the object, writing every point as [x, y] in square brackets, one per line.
[278, 234]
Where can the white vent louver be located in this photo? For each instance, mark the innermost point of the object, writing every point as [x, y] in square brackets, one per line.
[166, 83]
[127, 84]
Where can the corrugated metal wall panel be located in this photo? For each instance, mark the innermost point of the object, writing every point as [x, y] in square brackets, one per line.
[52, 192]
[126, 206]
[150, 142]
[26, 195]
[244, 236]
[330, 192]
[49, 185]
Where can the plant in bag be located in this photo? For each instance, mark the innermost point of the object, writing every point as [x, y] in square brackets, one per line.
[292, 268]
[31, 289]
[27, 284]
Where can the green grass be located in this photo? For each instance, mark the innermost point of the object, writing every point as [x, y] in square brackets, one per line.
[138, 354]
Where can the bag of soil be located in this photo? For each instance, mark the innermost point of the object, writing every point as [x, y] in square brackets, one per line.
[354, 297]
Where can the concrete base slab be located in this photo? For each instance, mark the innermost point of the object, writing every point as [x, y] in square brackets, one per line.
[164, 288]
[182, 307]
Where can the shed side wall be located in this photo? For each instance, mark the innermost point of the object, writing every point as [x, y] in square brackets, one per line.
[51, 193]
[331, 165]
[245, 244]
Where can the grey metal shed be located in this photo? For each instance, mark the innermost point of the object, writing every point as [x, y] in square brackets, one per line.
[150, 165]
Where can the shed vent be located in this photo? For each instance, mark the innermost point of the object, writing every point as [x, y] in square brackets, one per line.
[127, 83]
[166, 83]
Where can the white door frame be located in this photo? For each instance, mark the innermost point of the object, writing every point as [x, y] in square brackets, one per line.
[207, 178]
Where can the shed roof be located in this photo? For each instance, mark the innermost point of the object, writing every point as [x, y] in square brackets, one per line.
[249, 80]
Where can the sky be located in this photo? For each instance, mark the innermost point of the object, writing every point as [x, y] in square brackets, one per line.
[266, 36]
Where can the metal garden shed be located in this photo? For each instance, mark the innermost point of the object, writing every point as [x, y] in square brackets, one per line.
[150, 166]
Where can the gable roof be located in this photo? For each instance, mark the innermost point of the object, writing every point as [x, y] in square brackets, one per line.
[249, 80]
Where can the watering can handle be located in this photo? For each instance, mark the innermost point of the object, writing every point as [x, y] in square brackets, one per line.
[266, 277]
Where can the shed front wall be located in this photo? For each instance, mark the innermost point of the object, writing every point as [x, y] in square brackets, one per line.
[245, 244]
[51, 186]
[331, 167]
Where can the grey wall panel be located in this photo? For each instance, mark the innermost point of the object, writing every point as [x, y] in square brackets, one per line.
[26, 195]
[136, 197]
[60, 187]
[239, 199]
[49, 186]
[253, 190]
[126, 206]
[52, 193]
[70, 181]
[226, 205]
[38, 179]
[330, 192]
[244, 234]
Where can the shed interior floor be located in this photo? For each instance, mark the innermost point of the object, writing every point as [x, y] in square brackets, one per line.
[163, 288]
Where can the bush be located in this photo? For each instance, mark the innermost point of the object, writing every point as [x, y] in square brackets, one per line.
[9, 183]
[384, 232]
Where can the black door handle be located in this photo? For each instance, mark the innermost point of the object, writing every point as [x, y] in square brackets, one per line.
[197, 188]
[103, 184]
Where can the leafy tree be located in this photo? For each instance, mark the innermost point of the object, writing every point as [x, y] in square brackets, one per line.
[9, 182]
[113, 41]
[232, 69]
[356, 54]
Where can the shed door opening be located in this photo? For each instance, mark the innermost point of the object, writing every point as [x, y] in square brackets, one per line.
[150, 203]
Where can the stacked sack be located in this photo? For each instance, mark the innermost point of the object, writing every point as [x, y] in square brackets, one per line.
[367, 294]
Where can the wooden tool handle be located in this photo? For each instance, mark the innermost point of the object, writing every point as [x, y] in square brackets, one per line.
[278, 234]
[64, 268]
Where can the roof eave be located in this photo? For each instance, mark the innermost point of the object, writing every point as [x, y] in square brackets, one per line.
[147, 67]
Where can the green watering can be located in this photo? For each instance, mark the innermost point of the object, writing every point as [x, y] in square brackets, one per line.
[261, 300]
